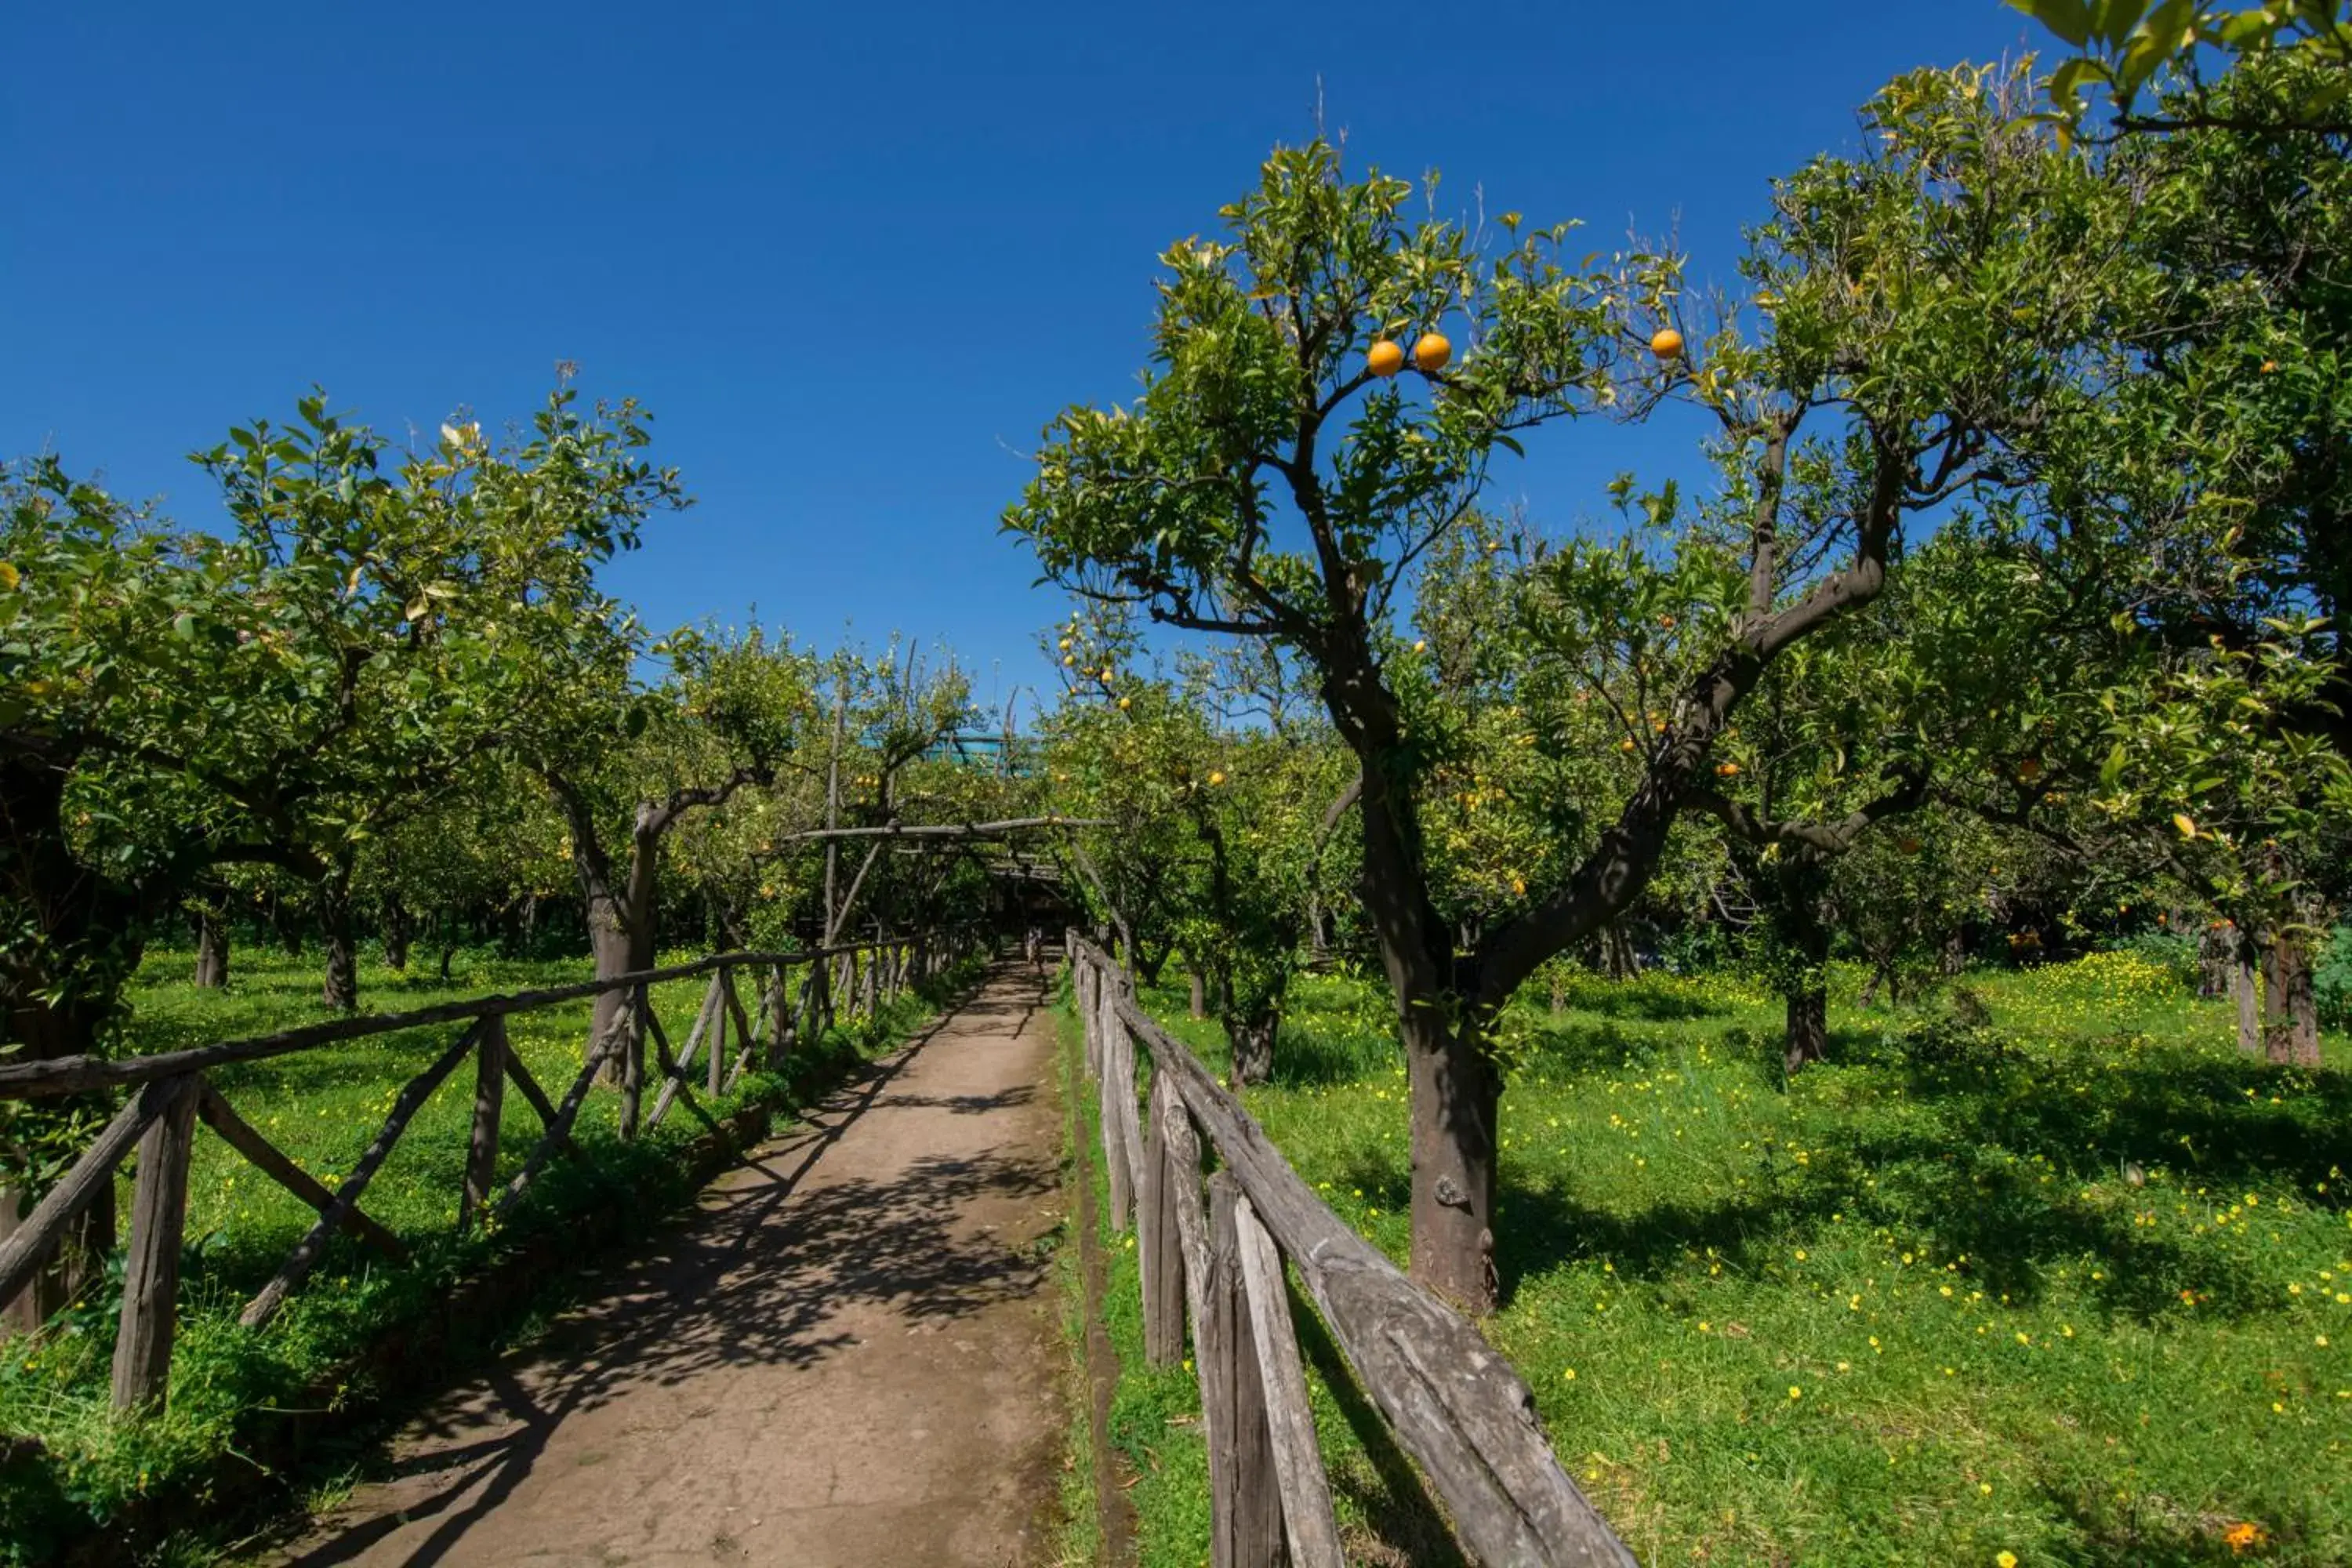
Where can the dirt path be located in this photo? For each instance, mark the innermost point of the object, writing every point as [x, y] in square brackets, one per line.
[848, 1357]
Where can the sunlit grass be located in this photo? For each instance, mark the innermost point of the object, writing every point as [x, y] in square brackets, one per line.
[2077, 1288]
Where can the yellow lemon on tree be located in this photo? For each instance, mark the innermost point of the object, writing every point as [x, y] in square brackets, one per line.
[1385, 359]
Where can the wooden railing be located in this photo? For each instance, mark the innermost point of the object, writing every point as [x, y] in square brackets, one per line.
[172, 1095]
[1455, 1406]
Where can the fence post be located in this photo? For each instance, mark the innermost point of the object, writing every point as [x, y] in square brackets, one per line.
[1244, 1494]
[1159, 1250]
[715, 1079]
[150, 1279]
[1308, 1523]
[632, 1060]
[490, 1099]
[1090, 1019]
[1118, 1087]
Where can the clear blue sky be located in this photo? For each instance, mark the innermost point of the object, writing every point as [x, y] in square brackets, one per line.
[853, 256]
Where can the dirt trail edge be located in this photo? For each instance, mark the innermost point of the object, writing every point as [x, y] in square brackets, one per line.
[848, 1356]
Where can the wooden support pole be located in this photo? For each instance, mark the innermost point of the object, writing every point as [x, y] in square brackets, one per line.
[26, 1250]
[1123, 1146]
[1244, 1495]
[151, 1278]
[489, 1101]
[520, 1074]
[806, 1029]
[1159, 1248]
[747, 1037]
[716, 1008]
[1089, 1017]
[631, 1022]
[264, 1155]
[780, 1018]
[306, 1253]
[559, 1130]
[1308, 1523]
[672, 1082]
[675, 1075]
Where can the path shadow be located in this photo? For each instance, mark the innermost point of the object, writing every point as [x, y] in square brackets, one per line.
[754, 1277]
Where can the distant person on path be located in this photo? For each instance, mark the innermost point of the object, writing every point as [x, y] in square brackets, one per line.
[1035, 947]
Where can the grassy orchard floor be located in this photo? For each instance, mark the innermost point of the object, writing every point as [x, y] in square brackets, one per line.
[323, 1107]
[1904, 1312]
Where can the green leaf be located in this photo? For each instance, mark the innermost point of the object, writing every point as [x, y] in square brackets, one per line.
[2069, 19]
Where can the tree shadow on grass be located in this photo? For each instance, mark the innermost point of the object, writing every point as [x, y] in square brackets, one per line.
[1997, 1181]
[2150, 1530]
[2208, 1119]
[1309, 1056]
[1643, 1000]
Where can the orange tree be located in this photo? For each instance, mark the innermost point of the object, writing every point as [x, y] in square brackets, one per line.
[174, 701]
[1276, 480]
[2202, 502]
[171, 701]
[626, 767]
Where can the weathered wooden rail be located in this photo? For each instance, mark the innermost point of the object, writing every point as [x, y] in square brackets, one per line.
[1214, 1249]
[170, 1094]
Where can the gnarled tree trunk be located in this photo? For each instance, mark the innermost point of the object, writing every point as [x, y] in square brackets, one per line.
[2290, 1006]
[1807, 1037]
[1800, 917]
[2216, 954]
[335, 917]
[211, 949]
[1455, 1095]
[2245, 998]
[1252, 1040]
[398, 929]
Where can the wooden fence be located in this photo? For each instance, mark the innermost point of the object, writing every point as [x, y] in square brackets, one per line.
[170, 1095]
[1215, 1250]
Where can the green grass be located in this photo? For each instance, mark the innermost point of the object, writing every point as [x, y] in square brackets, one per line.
[323, 1107]
[1905, 1308]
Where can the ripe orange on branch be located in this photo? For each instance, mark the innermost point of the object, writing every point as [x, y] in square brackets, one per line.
[1431, 353]
[1666, 343]
[1385, 359]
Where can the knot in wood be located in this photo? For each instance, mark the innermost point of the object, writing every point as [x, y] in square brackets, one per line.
[1449, 1192]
